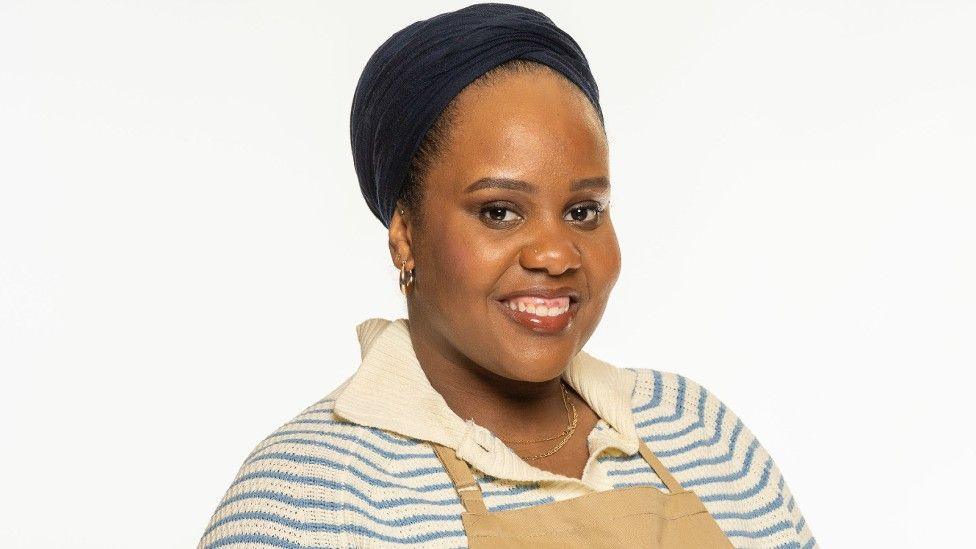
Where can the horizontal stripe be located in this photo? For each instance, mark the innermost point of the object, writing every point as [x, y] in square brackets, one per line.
[767, 531]
[747, 493]
[710, 461]
[435, 466]
[277, 519]
[343, 488]
[385, 452]
[318, 477]
[752, 513]
[657, 485]
[643, 466]
[392, 438]
[699, 422]
[304, 503]
[368, 479]
[263, 539]
[731, 477]
[307, 526]
[702, 443]
[275, 541]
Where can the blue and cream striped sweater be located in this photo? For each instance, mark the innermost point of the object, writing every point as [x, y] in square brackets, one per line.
[326, 479]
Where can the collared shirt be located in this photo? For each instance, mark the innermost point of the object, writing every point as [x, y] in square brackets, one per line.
[391, 392]
[356, 469]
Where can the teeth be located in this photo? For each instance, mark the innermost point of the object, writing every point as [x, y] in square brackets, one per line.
[538, 306]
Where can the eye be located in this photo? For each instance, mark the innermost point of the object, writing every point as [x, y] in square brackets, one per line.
[584, 213]
[499, 214]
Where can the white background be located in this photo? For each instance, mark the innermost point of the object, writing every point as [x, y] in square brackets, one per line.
[184, 251]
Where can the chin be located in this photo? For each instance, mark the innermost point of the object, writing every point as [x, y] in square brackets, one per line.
[539, 377]
[532, 372]
[529, 358]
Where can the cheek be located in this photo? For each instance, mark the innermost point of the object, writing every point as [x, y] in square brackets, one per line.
[604, 264]
[467, 264]
[456, 260]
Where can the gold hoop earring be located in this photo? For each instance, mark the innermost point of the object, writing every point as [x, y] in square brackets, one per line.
[405, 280]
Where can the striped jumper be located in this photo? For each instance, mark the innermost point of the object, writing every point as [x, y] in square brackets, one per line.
[355, 469]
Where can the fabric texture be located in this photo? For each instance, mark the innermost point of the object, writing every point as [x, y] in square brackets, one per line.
[415, 73]
[636, 517]
[325, 479]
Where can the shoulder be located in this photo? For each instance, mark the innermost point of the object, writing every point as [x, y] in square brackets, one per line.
[322, 481]
[681, 417]
[662, 391]
[708, 448]
[290, 487]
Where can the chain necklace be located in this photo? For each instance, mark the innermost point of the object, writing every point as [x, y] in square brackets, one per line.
[564, 435]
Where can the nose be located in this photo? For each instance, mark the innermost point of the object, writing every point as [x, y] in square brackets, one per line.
[556, 253]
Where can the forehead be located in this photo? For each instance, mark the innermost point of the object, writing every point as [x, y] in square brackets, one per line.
[535, 126]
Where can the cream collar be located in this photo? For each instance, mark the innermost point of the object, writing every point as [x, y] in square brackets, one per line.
[390, 391]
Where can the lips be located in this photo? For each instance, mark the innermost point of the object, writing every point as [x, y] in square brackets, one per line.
[543, 292]
[547, 311]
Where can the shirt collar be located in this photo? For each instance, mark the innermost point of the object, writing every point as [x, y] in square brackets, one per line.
[390, 391]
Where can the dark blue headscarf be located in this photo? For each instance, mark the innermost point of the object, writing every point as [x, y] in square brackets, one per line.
[412, 77]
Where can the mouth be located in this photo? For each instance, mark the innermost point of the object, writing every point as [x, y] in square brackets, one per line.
[542, 314]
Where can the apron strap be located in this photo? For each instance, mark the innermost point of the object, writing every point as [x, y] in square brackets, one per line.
[464, 482]
[672, 483]
[470, 491]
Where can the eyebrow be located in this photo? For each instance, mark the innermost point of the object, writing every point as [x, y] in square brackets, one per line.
[526, 187]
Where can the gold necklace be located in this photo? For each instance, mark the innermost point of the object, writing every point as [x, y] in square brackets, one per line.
[566, 434]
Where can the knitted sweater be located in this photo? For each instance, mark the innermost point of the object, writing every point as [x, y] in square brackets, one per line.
[355, 470]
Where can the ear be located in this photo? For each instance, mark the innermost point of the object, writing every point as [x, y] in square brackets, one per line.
[401, 237]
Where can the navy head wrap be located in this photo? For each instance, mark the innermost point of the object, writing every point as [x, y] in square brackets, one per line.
[412, 77]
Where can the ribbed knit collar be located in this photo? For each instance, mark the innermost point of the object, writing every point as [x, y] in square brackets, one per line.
[390, 391]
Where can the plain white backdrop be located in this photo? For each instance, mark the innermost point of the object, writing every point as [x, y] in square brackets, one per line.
[184, 251]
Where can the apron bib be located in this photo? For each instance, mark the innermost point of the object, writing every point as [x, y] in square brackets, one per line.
[642, 516]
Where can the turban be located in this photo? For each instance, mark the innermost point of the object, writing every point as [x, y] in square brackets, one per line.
[415, 73]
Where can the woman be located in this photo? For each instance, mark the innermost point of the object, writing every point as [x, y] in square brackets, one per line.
[479, 421]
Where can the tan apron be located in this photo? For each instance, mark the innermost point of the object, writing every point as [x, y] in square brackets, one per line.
[642, 516]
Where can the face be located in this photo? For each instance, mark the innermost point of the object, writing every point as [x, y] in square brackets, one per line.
[515, 214]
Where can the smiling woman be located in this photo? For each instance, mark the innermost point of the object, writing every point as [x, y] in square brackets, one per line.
[479, 420]
[512, 211]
